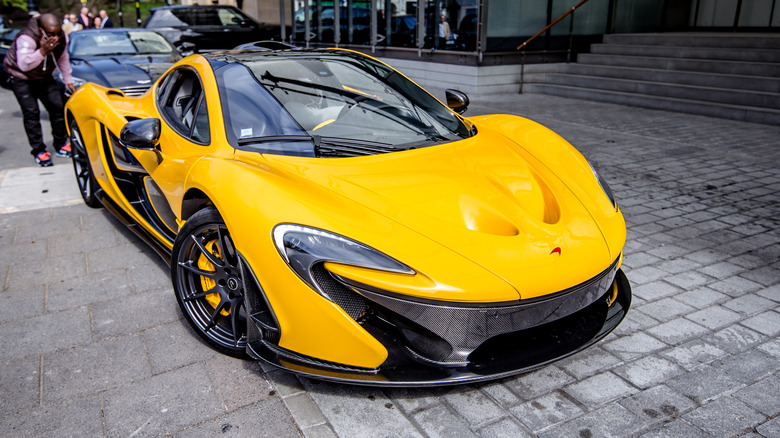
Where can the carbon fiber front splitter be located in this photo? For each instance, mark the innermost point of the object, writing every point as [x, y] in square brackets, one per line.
[502, 356]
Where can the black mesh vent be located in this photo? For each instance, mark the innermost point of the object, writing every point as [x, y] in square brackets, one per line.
[352, 303]
[260, 313]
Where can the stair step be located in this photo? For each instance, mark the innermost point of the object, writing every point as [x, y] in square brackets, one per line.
[737, 82]
[731, 40]
[683, 64]
[691, 52]
[690, 92]
[734, 112]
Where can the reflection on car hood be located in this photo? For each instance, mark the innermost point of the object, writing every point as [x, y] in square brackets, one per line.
[485, 198]
[122, 71]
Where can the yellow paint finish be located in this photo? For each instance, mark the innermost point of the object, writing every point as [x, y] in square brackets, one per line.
[309, 323]
[485, 199]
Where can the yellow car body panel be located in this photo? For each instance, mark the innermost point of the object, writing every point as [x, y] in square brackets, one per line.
[488, 208]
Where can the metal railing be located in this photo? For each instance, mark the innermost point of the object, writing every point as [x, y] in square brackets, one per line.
[523, 46]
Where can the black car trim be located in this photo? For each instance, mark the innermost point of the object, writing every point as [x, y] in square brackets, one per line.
[544, 345]
[134, 226]
[131, 186]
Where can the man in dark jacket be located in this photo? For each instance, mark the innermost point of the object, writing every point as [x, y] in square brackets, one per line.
[105, 22]
[39, 50]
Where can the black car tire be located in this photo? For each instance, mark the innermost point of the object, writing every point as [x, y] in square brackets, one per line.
[207, 279]
[85, 178]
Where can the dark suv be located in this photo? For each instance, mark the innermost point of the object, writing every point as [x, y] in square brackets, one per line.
[208, 27]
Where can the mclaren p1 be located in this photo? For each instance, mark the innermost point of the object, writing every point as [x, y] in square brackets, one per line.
[324, 214]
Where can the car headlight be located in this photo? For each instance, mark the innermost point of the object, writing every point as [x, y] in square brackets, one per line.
[303, 247]
[604, 186]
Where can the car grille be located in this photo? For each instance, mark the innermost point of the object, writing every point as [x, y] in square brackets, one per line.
[135, 91]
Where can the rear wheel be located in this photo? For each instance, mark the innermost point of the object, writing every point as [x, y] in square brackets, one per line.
[206, 274]
[84, 177]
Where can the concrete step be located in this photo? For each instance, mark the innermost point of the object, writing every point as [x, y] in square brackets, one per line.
[682, 64]
[734, 112]
[688, 92]
[736, 82]
[690, 52]
[730, 40]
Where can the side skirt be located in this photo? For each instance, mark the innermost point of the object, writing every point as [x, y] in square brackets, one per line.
[133, 226]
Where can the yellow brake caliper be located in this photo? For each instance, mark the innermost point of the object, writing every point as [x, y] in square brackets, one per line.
[203, 263]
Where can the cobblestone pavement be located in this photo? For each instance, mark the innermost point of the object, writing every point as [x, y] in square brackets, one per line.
[92, 342]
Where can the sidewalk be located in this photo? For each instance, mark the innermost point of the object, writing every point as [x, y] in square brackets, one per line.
[92, 342]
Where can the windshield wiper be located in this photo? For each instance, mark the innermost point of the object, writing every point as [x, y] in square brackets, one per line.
[328, 146]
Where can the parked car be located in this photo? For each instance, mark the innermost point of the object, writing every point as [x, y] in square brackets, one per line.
[128, 59]
[208, 27]
[324, 214]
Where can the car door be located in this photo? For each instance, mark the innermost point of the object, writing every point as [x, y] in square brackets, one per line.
[184, 138]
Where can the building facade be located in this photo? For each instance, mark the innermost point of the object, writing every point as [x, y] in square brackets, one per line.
[473, 45]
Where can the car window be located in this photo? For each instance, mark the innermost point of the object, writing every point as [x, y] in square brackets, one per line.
[200, 128]
[149, 42]
[229, 17]
[98, 43]
[205, 17]
[117, 43]
[182, 104]
[248, 109]
[167, 18]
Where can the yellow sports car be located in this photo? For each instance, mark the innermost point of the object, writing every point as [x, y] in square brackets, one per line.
[324, 214]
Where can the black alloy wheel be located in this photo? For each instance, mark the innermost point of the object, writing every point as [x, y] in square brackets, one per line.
[88, 185]
[206, 274]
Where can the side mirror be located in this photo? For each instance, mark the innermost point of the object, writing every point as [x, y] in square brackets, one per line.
[187, 48]
[141, 134]
[457, 101]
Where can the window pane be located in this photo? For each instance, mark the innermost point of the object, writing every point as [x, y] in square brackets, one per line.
[200, 131]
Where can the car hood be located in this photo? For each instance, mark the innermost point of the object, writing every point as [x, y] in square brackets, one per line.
[122, 72]
[485, 198]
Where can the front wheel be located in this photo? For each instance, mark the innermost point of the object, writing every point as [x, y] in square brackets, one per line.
[88, 185]
[206, 274]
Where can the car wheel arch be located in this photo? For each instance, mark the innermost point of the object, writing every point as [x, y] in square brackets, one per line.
[193, 201]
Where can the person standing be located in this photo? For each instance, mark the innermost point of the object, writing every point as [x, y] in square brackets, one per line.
[38, 50]
[105, 22]
[85, 19]
[72, 24]
[444, 31]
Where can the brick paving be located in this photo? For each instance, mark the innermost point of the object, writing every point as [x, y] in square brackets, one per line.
[92, 342]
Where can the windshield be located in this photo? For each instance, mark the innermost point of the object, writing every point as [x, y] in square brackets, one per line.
[117, 43]
[337, 101]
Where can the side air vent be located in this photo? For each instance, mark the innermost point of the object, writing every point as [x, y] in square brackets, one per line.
[352, 303]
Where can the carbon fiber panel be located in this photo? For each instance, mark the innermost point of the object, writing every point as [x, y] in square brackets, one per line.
[466, 327]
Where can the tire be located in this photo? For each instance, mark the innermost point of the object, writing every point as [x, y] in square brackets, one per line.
[85, 178]
[206, 275]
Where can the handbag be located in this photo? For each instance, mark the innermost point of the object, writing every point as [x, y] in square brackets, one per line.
[6, 80]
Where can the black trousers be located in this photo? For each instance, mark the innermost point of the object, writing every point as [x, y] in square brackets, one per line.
[28, 93]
